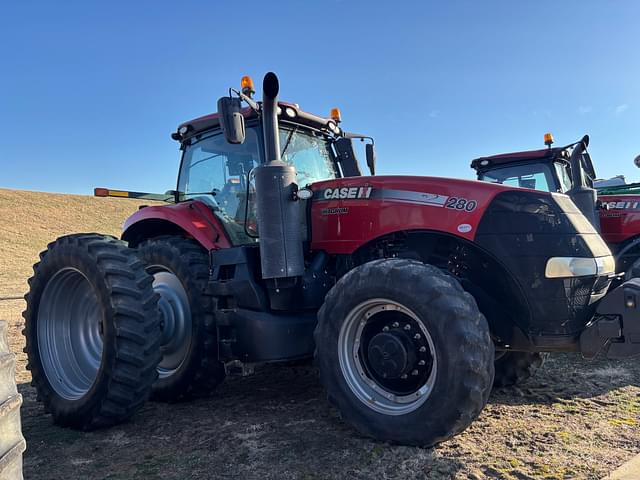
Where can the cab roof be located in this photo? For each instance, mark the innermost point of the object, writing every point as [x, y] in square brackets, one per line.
[542, 155]
[208, 122]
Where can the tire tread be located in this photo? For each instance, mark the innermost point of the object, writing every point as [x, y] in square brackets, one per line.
[137, 330]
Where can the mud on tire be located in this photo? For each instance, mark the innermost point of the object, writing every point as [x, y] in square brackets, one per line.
[12, 443]
[513, 368]
[190, 365]
[92, 329]
[412, 302]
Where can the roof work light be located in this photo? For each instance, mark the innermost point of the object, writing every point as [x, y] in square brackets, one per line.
[336, 116]
[246, 83]
[548, 139]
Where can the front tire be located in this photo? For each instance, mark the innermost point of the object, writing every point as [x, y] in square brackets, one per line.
[189, 365]
[403, 352]
[92, 331]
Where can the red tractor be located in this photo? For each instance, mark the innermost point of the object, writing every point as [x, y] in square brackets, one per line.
[614, 210]
[405, 289]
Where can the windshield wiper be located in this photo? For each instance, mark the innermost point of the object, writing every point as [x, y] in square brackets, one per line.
[286, 145]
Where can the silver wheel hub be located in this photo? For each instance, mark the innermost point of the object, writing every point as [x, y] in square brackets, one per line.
[387, 357]
[175, 314]
[69, 333]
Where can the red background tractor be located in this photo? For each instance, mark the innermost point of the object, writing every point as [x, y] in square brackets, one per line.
[616, 213]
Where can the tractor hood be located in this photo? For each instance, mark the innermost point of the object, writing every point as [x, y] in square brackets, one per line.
[349, 211]
[521, 229]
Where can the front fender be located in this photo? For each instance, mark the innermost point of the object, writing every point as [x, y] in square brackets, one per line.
[193, 219]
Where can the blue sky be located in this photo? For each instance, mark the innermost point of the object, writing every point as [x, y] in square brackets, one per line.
[90, 91]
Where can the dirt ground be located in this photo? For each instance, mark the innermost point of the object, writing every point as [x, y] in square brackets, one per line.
[573, 420]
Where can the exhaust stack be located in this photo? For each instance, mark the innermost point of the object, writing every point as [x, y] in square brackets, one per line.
[584, 196]
[279, 220]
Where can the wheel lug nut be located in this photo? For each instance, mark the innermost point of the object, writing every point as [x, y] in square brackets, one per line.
[423, 349]
[395, 324]
[414, 372]
[416, 336]
[385, 329]
[407, 327]
[421, 362]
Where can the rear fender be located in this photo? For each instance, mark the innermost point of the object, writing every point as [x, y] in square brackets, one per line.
[193, 219]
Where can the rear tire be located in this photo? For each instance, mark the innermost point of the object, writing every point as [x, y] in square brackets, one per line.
[513, 368]
[92, 329]
[189, 366]
[12, 443]
[420, 369]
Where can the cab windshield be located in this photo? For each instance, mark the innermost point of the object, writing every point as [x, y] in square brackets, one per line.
[537, 176]
[217, 172]
[309, 152]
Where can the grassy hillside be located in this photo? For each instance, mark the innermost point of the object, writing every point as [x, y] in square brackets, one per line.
[30, 220]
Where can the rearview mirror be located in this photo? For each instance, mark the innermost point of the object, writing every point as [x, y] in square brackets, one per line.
[370, 153]
[231, 119]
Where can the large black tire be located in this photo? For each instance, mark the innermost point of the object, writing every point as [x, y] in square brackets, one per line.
[92, 331]
[513, 368]
[190, 367]
[458, 390]
[12, 443]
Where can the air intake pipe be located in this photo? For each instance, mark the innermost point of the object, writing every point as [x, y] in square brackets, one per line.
[279, 220]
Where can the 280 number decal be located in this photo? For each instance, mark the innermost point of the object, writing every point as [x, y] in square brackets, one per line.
[459, 203]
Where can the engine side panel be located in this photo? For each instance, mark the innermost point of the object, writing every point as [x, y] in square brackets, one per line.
[349, 212]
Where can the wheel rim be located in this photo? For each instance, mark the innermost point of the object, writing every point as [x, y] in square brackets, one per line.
[175, 313]
[69, 329]
[387, 357]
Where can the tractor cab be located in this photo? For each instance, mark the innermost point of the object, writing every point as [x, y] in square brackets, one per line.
[547, 169]
[566, 169]
[221, 151]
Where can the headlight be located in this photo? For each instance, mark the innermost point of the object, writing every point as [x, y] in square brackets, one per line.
[606, 265]
[567, 267]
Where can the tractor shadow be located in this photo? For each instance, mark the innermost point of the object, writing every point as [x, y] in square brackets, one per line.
[275, 424]
[565, 377]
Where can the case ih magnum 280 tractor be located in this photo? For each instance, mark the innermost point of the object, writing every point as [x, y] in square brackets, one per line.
[405, 289]
[614, 211]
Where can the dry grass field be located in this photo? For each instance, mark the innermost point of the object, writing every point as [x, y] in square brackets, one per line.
[573, 420]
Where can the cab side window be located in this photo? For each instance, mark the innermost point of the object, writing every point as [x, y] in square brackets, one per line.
[215, 172]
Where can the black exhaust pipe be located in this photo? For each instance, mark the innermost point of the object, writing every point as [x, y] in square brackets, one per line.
[270, 90]
[584, 196]
[279, 214]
